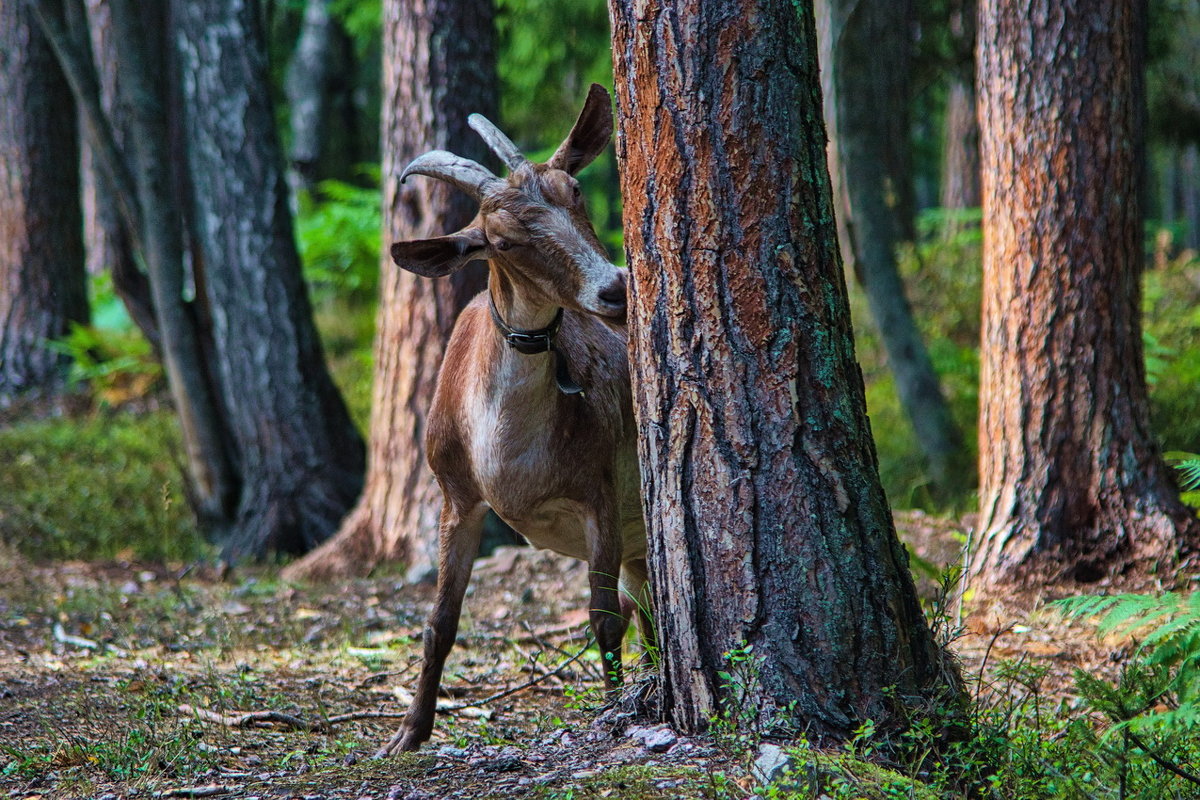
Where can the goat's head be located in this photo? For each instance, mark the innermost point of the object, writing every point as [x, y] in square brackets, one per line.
[532, 224]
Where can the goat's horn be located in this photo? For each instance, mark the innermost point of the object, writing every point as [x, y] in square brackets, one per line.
[470, 176]
[500, 144]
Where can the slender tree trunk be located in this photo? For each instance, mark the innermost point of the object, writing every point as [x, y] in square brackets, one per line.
[42, 281]
[299, 457]
[1189, 174]
[960, 158]
[865, 49]
[439, 67]
[1072, 483]
[769, 530]
[109, 248]
[307, 88]
[960, 147]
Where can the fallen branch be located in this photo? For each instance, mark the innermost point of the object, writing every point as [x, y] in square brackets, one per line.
[246, 719]
[198, 791]
[522, 687]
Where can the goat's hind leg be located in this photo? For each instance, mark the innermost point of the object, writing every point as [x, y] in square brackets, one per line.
[458, 545]
[607, 618]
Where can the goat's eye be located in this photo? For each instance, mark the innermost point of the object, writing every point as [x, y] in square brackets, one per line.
[575, 192]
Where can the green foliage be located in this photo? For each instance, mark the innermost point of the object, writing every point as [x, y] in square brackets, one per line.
[1188, 465]
[1154, 705]
[362, 20]
[338, 233]
[115, 364]
[97, 488]
[1171, 322]
[550, 51]
[942, 274]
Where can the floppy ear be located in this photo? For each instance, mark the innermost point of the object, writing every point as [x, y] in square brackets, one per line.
[590, 135]
[433, 258]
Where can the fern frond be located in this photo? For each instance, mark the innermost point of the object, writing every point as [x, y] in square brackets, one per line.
[1191, 474]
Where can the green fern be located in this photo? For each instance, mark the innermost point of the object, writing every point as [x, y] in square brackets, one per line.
[1191, 473]
[1167, 660]
[1155, 703]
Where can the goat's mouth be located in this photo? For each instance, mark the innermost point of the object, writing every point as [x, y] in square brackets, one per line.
[613, 312]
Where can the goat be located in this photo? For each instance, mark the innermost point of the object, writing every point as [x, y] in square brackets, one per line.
[532, 415]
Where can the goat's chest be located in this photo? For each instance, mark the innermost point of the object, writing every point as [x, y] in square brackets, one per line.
[532, 450]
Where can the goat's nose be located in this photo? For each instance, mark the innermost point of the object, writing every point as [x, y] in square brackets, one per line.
[614, 294]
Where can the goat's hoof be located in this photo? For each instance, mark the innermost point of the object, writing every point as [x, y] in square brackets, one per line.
[406, 740]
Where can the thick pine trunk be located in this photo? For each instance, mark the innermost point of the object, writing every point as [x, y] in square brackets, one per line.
[439, 67]
[865, 55]
[1072, 483]
[297, 453]
[42, 283]
[768, 526]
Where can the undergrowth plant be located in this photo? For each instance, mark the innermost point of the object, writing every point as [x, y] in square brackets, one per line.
[1153, 708]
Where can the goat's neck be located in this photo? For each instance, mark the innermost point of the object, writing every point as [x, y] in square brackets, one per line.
[521, 306]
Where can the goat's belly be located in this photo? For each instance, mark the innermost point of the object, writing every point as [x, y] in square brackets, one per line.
[556, 525]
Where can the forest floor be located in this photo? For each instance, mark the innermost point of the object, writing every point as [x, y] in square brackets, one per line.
[123, 680]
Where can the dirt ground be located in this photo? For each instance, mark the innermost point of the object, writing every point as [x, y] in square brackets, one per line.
[134, 680]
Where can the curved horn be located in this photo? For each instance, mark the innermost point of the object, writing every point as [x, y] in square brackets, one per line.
[469, 176]
[499, 144]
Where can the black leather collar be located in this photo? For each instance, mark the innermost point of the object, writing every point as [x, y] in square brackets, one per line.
[538, 341]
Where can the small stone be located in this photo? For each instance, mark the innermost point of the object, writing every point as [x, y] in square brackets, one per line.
[448, 751]
[660, 740]
[771, 763]
[502, 764]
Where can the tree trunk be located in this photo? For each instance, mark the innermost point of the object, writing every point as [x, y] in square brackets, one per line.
[42, 283]
[1189, 174]
[865, 49]
[1072, 483]
[307, 88]
[139, 62]
[960, 145]
[769, 531]
[109, 248]
[439, 67]
[298, 455]
[960, 150]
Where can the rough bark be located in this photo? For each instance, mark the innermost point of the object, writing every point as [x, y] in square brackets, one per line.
[42, 282]
[298, 455]
[767, 522]
[865, 51]
[210, 474]
[1072, 483]
[439, 67]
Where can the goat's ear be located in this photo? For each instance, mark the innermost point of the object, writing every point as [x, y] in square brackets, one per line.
[433, 258]
[590, 135]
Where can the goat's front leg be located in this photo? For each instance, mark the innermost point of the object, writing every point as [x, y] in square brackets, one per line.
[604, 562]
[458, 545]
